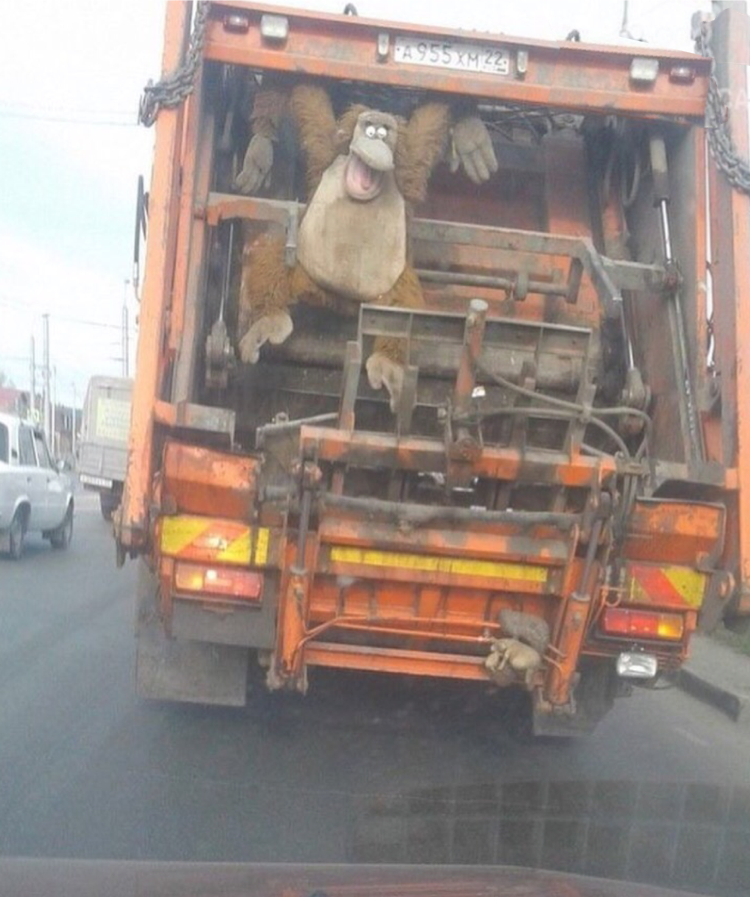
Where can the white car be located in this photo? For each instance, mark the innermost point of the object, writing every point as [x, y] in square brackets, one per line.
[34, 495]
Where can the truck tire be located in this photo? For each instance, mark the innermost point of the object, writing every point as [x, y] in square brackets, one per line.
[17, 534]
[60, 538]
[108, 502]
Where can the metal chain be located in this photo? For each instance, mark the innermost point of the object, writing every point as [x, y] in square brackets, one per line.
[173, 89]
[734, 167]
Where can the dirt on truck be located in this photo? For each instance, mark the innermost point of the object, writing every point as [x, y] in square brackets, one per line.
[501, 444]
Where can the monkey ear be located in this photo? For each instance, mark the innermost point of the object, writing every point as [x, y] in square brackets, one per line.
[346, 125]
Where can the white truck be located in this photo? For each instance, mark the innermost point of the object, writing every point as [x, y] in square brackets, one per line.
[34, 494]
[103, 453]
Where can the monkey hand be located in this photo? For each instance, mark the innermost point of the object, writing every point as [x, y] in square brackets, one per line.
[256, 169]
[273, 328]
[384, 371]
[472, 148]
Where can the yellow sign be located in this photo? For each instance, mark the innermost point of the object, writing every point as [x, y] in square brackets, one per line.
[433, 564]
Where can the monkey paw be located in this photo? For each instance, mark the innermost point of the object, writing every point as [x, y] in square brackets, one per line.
[384, 371]
[273, 328]
[256, 169]
[472, 148]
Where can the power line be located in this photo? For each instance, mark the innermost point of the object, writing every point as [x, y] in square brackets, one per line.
[85, 322]
[10, 303]
[19, 106]
[67, 120]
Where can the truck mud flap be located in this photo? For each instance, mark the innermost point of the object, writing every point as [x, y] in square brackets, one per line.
[192, 672]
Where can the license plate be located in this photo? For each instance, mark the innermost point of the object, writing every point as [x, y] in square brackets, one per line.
[452, 55]
[95, 481]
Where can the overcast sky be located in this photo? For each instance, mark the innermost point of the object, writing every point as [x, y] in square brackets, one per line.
[71, 73]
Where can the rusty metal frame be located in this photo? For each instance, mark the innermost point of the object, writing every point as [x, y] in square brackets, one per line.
[413, 453]
[560, 75]
[608, 275]
[396, 660]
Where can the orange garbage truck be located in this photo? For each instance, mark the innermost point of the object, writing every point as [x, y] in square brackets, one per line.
[557, 493]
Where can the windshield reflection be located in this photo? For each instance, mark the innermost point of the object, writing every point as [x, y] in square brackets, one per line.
[691, 836]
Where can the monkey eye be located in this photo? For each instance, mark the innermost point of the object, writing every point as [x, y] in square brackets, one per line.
[382, 132]
[371, 131]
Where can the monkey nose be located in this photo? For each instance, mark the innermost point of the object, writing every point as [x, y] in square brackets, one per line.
[376, 153]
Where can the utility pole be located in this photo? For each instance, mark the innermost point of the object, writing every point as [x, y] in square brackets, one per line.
[53, 444]
[47, 390]
[32, 381]
[74, 424]
[624, 29]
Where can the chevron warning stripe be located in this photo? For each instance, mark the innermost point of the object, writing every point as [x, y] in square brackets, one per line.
[665, 585]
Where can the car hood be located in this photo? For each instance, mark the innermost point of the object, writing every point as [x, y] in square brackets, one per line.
[84, 878]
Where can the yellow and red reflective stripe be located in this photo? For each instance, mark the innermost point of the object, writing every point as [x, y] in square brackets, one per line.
[671, 585]
[210, 539]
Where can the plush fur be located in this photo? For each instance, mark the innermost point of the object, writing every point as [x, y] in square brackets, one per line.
[268, 287]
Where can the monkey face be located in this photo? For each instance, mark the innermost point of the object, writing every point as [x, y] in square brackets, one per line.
[371, 154]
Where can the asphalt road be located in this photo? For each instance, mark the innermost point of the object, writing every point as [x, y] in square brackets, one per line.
[361, 770]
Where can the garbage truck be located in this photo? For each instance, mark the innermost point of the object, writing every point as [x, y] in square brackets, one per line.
[555, 495]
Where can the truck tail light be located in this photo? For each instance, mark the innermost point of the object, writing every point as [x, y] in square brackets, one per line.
[629, 623]
[683, 74]
[227, 581]
[236, 23]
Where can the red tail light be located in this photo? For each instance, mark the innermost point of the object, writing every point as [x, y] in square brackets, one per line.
[215, 580]
[642, 624]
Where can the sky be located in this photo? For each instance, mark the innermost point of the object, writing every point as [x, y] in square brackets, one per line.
[71, 74]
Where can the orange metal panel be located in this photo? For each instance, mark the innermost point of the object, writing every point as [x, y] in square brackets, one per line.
[132, 531]
[196, 180]
[730, 267]
[567, 75]
[436, 610]
[675, 531]
[203, 481]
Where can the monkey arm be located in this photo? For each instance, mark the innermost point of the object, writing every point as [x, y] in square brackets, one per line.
[270, 105]
[422, 143]
[429, 137]
[313, 113]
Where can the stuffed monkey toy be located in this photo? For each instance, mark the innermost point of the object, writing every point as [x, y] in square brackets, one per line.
[364, 172]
